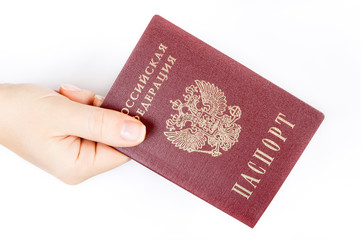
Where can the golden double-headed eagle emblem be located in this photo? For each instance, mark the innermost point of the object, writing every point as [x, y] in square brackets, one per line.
[202, 119]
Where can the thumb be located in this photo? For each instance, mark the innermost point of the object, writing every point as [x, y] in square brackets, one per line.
[100, 125]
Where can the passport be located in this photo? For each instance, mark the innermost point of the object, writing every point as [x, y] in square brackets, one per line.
[214, 127]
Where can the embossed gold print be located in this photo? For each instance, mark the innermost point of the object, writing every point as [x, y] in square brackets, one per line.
[261, 158]
[193, 125]
[143, 93]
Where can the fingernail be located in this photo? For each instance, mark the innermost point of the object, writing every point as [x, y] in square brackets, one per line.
[98, 100]
[70, 87]
[99, 97]
[132, 130]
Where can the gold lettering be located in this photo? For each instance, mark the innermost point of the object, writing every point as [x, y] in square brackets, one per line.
[280, 118]
[152, 63]
[263, 157]
[171, 59]
[241, 190]
[148, 97]
[277, 132]
[271, 144]
[128, 105]
[143, 79]
[149, 72]
[251, 180]
[166, 67]
[165, 77]
[134, 98]
[157, 85]
[162, 47]
[162, 76]
[139, 87]
[252, 166]
[146, 106]
[151, 91]
[140, 111]
[159, 56]
[125, 111]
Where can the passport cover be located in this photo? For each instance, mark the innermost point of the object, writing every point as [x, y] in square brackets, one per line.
[214, 127]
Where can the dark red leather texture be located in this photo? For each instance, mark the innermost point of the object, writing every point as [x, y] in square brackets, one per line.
[214, 127]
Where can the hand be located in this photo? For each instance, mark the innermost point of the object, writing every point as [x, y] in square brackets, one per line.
[61, 133]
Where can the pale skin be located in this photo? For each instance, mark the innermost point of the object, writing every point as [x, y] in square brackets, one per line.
[65, 132]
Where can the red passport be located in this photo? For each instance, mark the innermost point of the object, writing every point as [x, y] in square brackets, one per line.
[214, 127]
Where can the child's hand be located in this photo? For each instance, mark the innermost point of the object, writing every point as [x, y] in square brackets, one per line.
[62, 133]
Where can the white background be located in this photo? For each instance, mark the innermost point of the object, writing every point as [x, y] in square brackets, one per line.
[310, 48]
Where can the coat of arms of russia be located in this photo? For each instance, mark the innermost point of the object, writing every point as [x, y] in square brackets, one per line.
[201, 119]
